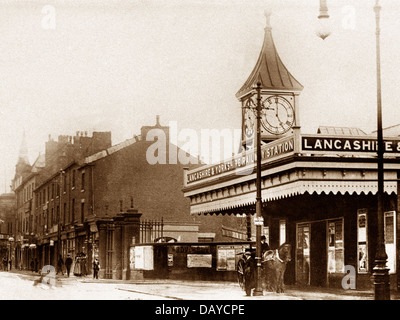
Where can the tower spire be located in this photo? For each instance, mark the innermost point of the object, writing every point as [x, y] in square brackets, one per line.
[269, 69]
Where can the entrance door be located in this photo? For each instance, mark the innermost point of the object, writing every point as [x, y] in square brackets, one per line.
[318, 256]
[303, 254]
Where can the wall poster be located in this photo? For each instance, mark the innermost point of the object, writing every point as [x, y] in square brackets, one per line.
[362, 246]
[390, 239]
[199, 260]
[228, 256]
[142, 257]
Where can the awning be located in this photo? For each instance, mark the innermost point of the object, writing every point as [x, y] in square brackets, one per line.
[294, 188]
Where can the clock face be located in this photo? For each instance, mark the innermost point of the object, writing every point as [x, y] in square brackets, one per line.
[277, 115]
[249, 119]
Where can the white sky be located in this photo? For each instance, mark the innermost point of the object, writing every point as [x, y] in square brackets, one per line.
[113, 65]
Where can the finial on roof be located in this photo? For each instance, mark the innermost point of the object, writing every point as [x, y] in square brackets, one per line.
[268, 13]
[158, 121]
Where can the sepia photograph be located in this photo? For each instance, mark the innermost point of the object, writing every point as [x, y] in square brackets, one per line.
[222, 153]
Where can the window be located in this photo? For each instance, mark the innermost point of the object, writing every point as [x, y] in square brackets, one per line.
[73, 179]
[83, 181]
[64, 213]
[65, 183]
[82, 212]
[73, 210]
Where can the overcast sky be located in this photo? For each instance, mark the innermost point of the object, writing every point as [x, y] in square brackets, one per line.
[113, 65]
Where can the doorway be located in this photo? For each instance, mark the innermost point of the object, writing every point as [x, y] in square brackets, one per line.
[311, 256]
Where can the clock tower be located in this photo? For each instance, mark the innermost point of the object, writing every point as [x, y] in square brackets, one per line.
[279, 96]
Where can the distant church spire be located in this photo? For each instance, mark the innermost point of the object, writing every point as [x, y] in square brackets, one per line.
[23, 150]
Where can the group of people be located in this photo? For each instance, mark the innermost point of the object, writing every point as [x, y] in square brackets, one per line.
[80, 268]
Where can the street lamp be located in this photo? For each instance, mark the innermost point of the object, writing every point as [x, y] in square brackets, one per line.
[258, 290]
[59, 216]
[11, 240]
[324, 28]
[381, 272]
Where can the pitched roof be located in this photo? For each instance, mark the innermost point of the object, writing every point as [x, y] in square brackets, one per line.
[341, 131]
[269, 69]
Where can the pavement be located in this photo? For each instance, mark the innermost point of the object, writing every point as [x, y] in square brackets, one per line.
[152, 289]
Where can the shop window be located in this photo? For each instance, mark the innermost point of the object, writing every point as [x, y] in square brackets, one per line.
[390, 239]
[362, 227]
[335, 246]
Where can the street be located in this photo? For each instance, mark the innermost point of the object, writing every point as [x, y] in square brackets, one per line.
[20, 286]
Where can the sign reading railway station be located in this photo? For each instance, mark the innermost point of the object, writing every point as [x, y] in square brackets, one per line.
[247, 158]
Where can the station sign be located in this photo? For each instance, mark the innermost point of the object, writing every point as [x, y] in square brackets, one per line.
[348, 144]
[245, 159]
[258, 221]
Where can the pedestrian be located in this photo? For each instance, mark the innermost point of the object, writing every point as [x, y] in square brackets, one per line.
[96, 268]
[77, 266]
[5, 264]
[68, 264]
[36, 265]
[32, 266]
[264, 245]
[60, 265]
[83, 264]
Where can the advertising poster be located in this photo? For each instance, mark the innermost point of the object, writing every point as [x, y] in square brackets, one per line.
[199, 260]
[228, 256]
[143, 258]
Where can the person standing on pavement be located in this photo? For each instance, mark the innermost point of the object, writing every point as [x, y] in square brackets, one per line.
[77, 266]
[68, 264]
[5, 264]
[60, 265]
[83, 264]
[96, 268]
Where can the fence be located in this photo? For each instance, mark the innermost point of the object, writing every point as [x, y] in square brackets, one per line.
[151, 230]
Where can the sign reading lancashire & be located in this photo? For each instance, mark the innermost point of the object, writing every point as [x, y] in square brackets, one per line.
[339, 144]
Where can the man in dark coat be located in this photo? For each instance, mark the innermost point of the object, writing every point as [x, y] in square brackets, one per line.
[60, 265]
[68, 264]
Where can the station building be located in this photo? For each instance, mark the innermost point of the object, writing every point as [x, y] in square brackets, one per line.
[319, 191]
